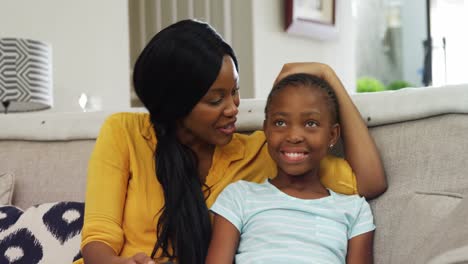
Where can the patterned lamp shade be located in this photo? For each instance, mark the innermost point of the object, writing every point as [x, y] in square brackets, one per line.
[25, 75]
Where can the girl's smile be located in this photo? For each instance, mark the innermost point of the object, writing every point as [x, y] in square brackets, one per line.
[294, 156]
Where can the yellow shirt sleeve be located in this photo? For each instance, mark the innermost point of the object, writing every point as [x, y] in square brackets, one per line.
[108, 174]
[337, 174]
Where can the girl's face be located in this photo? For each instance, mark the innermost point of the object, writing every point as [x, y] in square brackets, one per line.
[212, 120]
[299, 130]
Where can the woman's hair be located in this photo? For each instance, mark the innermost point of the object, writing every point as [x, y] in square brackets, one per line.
[171, 75]
[310, 81]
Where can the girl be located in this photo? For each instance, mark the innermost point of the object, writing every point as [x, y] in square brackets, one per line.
[293, 216]
[152, 177]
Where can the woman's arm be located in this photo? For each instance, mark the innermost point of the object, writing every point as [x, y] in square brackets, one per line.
[102, 233]
[224, 242]
[360, 249]
[360, 149]
[98, 252]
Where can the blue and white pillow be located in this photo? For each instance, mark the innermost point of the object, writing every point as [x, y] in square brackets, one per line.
[44, 234]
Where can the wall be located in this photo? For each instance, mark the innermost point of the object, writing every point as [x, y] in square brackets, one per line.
[273, 47]
[89, 45]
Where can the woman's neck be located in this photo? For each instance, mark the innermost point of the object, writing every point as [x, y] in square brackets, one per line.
[203, 151]
[205, 158]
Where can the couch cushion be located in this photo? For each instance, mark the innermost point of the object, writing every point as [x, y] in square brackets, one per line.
[420, 217]
[448, 242]
[426, 155]
[453, 256]
[7, 183]
[46, 233]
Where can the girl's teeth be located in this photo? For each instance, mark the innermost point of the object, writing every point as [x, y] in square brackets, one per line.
[294, 155]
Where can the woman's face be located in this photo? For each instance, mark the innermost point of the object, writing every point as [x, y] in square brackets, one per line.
[212, 120]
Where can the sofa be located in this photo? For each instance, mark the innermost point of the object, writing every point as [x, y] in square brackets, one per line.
[421, 133]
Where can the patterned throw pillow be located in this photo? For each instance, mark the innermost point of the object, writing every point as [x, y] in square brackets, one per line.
[44, 234]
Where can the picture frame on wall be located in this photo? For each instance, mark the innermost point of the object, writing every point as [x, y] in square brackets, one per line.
[311, 18]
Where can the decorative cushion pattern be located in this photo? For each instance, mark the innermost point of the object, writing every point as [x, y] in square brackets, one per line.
[7, 183]
[47, 233]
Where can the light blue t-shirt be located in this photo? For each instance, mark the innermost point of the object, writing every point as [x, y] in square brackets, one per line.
[277, 228]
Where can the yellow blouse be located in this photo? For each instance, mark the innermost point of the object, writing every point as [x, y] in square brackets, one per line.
[123, 195]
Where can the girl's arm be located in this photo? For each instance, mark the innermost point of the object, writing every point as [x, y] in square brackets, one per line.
[360, 249]
[224, 242]
[360, 149]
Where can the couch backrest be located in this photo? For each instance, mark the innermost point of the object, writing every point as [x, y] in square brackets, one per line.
[425, 162]
[46, 171]
[48, 154]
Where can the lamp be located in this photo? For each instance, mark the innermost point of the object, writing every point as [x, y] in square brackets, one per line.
[25, 75]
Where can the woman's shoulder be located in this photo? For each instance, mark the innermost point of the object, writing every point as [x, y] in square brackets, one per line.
[256, 138]
[128, 120]
[128, 123]
[125, 118]
[252, 145]
[335, 160]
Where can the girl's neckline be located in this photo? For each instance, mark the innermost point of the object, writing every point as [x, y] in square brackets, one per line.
[281, 193]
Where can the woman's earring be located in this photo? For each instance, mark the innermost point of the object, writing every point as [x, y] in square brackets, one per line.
[331, 145]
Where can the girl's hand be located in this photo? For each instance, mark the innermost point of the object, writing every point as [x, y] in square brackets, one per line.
[318, 69]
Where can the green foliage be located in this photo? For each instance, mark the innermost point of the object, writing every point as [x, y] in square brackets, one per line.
[396, 85]
[369, 84]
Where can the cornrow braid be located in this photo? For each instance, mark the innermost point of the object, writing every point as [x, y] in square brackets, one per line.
[311, 81]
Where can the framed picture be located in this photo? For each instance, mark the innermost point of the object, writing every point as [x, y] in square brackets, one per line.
[311, 18]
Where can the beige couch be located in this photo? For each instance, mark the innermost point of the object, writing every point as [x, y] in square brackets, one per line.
[422, 134]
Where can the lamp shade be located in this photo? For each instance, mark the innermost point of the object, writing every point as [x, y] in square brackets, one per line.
[25, 75]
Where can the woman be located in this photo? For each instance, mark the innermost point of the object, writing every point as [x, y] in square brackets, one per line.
[151, 177]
